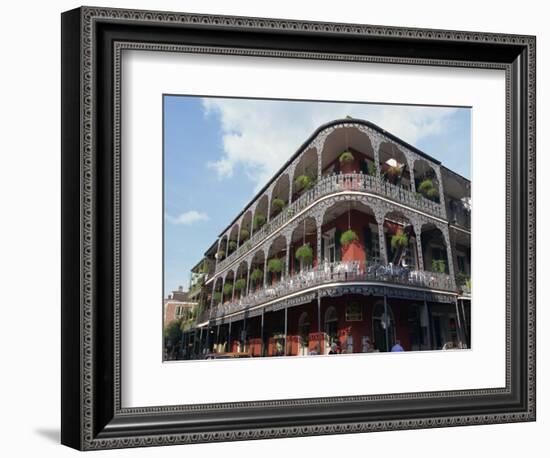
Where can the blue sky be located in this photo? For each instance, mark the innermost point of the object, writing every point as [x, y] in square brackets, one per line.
[219, 152]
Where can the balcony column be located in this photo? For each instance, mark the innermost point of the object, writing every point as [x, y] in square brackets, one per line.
[418, 237]
[262, 331]
[238, 236]
[379, 215]
[287, 259]
[410, 164]
[450, 262]
[229, 336]
[233, 289]
[248, 279]
[265, 270]
[286, 328]
[318, 313]
[452, 239]
[441, 192]
[319, 240]
[376, 141]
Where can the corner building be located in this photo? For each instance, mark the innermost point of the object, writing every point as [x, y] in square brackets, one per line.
[360, 239]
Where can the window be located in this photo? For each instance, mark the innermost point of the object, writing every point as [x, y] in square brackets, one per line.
[354, 312]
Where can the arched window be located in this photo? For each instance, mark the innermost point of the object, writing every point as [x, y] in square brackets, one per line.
[383, 327]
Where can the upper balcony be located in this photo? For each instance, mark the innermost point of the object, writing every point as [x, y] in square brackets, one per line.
[345, 156]
[333, 184]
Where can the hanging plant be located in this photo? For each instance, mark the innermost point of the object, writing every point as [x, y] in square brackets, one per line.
[278, 204]
[257, 274]
[398, 240]
[244, 234]
[305, 253]
[259, 221]
[220, 254]
[217, 296]
[240, 284]
[304, 182]
[346, 156]
[428, 189]
[232, 245]
[348, 237]
[275, 265]
[393, 170]
[227, 288]
[438, 265]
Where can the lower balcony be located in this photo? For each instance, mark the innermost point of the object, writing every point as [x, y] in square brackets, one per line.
[335, 272]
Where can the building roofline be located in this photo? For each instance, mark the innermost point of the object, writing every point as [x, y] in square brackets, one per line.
[304, 145]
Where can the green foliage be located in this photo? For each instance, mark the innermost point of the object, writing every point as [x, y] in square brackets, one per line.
[275, 265]
[428, 189]
[259, 221]
[244, 234]
[438, 265]
[217, 296]
[278, 204]
[348, 237]
[173, 331]
[399, 240]
[240, 284]
[462, 278]
[257, 274]
[220, 254]
[232, 245]
[417, 195]
[305, 182]
[305, 253]
[346, 156]
[372, 169]
[227, 288]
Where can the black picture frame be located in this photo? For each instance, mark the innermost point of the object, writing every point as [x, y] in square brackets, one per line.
[92, 416]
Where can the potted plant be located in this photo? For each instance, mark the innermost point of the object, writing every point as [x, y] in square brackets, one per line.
[399, 240]
[372, 169]
[259, 221]
[257, 275]
[428, 189]
[438, 265]
[240, 284]
[220, 255]
[346, 156]
[348, 237]
[304, 182]
[228, 289]
[275, 266]
[232, 245]
[244, 234]
[347, 162]
[278, 204]
[217, 296]
[305, 254]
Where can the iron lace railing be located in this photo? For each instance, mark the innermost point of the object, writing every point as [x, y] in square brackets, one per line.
[347, 271]
[332, 184]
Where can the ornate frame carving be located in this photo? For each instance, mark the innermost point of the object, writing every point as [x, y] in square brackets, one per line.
[92, 417]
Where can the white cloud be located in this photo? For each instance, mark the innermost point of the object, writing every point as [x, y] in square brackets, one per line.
[188, 218]
[260, 135]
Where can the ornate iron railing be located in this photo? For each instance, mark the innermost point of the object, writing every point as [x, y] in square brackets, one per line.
[332, 184]
[348, 271]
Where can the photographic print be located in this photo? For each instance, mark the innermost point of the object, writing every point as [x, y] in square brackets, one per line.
[311, 228]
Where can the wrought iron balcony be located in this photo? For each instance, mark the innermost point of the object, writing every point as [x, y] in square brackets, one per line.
[332, 184]
[349, 271]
